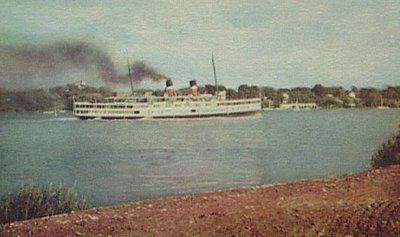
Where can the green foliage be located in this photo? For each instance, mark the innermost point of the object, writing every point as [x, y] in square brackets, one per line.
[30, 100]
[33, 201]
[61, 97]
[388, 153]
[246, 91]
[331, 102]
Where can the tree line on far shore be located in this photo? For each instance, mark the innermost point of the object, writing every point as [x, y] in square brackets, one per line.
[61, 97]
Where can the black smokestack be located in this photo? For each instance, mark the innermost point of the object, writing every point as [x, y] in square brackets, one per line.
[168, 83]
[193, 83]
[24, 65]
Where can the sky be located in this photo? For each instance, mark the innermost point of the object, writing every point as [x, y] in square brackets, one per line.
[282, 44]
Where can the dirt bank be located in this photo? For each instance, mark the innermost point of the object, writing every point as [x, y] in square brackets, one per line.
[364, 204]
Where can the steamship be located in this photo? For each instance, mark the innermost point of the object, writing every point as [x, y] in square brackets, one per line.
[169, 106]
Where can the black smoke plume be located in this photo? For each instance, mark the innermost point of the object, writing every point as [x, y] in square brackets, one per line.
[139, 72]
[30, 64]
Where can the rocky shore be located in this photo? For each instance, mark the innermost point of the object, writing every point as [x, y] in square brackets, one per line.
[363, 204]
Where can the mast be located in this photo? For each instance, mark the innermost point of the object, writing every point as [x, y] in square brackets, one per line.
[215, 75]
[129, 70]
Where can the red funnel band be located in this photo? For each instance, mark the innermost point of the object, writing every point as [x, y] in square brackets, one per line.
[194, 90]
[170, 91]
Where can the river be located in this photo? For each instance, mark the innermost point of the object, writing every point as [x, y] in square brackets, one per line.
[114, 162]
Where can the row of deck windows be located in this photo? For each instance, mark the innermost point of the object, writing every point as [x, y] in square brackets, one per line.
[105, 112]
[104, 106]
[88, 106]
[125, 112]
[238, 103]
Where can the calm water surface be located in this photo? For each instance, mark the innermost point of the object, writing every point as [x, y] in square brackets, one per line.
[120, 161]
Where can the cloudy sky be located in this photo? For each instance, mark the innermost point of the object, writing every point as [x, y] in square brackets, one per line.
[268, 43]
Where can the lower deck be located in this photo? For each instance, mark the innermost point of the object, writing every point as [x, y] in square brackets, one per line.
[87, 110]
[229, 115]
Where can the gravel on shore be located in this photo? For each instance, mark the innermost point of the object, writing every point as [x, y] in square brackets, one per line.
[363, 204]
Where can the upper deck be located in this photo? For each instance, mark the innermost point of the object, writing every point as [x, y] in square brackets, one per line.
[168, 106]
[165, 107]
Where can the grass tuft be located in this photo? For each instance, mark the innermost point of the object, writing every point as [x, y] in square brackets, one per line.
[33, 201]
[387, 153]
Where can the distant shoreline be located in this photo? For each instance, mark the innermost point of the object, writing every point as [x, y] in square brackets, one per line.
[61, 97]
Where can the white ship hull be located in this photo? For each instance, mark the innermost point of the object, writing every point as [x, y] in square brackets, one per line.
[167, 108]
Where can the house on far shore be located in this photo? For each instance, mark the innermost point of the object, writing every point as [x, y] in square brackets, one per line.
[351, 100]
[285, 105]
[298, 106]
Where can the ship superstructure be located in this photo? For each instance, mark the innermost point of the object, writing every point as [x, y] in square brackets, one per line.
[169, 106]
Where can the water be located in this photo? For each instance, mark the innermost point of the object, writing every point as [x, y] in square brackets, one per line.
[120, 161]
